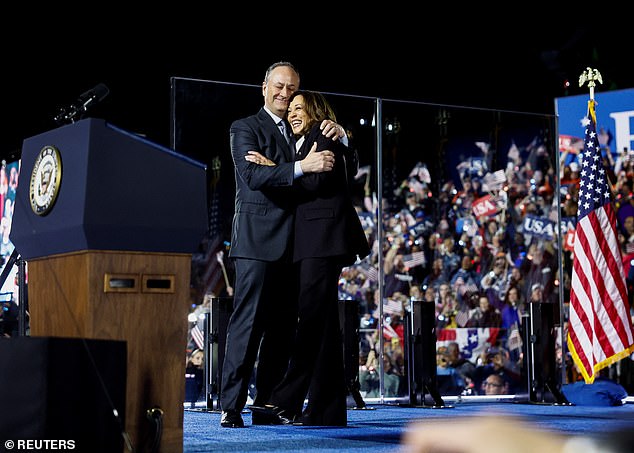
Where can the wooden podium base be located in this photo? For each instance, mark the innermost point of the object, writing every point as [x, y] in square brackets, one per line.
[140, 298]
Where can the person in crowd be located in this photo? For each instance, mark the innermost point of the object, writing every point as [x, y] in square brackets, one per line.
[496, 360]
[447, 308]
[495, 282]
[537, 293]
[463, 367]
[465, 279]
[328, 236]
[194, 375]
[437, 276]
[485, 314]
[539, 269]
[495, 384]
[513, 309]
[369, 379]
[448, 380]
[264, 315]
[451, 261]
[397, 278]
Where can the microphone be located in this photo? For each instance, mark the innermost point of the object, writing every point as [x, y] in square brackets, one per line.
[85, 100]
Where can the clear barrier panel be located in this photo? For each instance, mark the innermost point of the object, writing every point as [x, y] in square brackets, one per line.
[469, 223]
[470, 227]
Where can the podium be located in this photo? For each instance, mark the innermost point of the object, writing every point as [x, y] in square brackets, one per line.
[107, 222]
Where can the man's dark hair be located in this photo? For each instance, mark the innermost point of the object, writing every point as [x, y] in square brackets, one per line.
[277, 65]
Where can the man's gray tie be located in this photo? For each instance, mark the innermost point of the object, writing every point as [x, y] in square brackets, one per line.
[282, 127]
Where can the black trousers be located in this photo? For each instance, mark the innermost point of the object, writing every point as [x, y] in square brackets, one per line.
[263, 320]
[316, 368]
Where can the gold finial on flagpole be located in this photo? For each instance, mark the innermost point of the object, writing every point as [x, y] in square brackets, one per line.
[591, 76]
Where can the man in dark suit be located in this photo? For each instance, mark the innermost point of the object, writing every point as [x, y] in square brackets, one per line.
[264, 316]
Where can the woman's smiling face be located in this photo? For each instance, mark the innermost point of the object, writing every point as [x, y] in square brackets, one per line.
[297, 116]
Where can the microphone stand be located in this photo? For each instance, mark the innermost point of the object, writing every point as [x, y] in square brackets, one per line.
[13, 258]
[22, 296]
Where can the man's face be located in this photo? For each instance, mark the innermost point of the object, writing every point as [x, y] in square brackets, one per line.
[629, 224]
[494, 386]
[283, 82]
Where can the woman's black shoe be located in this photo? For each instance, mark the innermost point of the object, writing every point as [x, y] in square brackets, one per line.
[272, 415]
[231, 419]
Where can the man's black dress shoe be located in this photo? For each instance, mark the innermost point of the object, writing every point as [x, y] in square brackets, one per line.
[263, 417]
[271, 415]
[231, 419]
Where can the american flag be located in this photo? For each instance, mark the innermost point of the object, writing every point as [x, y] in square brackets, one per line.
[463, 287]
[414, 259]
[369, 271]
[392, 306]
[198, 336]
[600, 329]
[461, 318]
[493, 181]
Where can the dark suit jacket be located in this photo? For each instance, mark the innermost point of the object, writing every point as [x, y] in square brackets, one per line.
[263, 219]
[326, 223]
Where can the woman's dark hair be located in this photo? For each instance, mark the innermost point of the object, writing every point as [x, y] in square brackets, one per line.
[316, 106]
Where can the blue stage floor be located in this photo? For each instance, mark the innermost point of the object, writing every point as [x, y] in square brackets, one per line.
[381, 429]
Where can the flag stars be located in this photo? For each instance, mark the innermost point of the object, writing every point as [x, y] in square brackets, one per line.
[594, 190]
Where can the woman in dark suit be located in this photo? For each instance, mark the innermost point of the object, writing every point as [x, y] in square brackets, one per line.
[327, 237]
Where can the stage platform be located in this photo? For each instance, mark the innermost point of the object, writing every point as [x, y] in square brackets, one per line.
[380, 428]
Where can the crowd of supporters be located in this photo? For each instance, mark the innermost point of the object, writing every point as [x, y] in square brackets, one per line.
[480, 250]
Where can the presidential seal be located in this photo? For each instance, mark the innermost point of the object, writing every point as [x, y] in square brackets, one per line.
[45, 180]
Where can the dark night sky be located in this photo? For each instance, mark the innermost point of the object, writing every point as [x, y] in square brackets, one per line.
[513, 69]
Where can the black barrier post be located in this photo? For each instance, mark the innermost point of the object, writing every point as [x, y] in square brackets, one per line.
[216, 322]
[541, 359]
[349, 325]
[421, 353]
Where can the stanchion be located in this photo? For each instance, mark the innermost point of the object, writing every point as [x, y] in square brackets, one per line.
[421, 353]
[215, 337]
[543, 385]
[349, 324]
